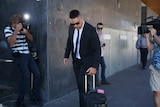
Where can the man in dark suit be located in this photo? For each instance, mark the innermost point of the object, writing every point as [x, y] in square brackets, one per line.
[84, 44]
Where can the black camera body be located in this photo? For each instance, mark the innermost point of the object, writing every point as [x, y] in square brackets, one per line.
[25, 26]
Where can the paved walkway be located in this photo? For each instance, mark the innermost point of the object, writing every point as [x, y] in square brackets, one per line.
[129, 88]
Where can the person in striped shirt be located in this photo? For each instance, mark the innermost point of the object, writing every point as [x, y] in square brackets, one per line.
[17, 37]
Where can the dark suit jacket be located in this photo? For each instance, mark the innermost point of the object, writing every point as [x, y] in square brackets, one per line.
[90, 50]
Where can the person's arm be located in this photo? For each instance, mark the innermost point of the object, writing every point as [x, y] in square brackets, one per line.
[12, 39]
[103, 44]
[68, 47]
[28, 35]
[156, 38]
[149, 44]
[95, 42]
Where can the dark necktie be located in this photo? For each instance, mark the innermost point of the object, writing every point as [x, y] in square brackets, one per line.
[76, 44]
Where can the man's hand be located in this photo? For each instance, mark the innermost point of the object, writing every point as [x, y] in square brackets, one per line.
[153, 31]
[24, 31]
[91, 71]
[104, 44]
[65, 61]
[18, 27]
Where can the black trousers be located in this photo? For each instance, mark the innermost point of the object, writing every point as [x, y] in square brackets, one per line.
[80, 70]
[144, 54]
[26, 63]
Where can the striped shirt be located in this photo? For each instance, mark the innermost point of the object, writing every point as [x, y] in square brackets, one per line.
[21, 44]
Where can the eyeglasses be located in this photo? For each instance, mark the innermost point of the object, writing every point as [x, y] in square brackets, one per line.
[73, 24]
[100, 28]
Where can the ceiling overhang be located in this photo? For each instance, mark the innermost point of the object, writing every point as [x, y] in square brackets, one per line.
[153, 4]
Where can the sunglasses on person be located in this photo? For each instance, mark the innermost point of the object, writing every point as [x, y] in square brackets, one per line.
[73, 24]
[100, 28]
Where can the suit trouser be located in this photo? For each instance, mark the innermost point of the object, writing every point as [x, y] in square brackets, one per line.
[26, 63]
[80, 71]
[144, 54]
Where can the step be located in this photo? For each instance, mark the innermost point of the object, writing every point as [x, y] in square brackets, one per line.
[8, 101]
[5, 91]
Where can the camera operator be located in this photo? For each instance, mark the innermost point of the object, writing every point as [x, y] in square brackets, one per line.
[17, 37]
[153, 43]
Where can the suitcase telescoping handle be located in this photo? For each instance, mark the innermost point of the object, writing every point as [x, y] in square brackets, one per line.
[93, 84]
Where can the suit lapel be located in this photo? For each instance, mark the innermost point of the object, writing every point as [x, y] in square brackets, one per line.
[71, 33]
[83, 32]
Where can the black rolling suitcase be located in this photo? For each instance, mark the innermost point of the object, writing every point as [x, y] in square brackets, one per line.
[93, 98]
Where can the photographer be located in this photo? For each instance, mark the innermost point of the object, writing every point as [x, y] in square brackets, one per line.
[17, 37]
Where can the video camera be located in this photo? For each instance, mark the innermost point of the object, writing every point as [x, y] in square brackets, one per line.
[150, 22]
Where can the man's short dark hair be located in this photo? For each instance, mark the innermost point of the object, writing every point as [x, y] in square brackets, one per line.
[100, 23]
[74, 13]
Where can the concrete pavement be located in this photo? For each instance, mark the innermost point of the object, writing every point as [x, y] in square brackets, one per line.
[129, 88]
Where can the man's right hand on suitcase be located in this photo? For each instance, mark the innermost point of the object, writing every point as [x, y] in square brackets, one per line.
[91, 71]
